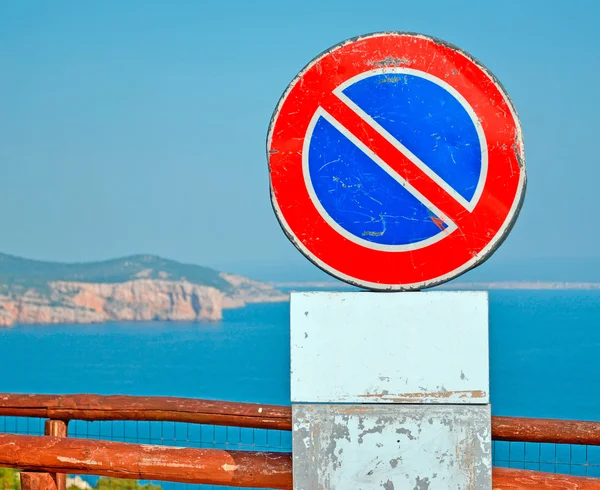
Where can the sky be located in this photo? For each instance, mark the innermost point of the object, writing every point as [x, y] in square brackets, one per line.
[140, 126]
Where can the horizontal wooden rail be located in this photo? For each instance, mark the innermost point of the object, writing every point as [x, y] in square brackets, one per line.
[145, 462]
[205, 466]
[98, 407]
[168, 409]
[546, 430]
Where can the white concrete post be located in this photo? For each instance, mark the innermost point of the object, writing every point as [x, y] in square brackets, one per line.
[390, 391]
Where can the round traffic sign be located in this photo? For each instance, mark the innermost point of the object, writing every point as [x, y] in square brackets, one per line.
[396, 162]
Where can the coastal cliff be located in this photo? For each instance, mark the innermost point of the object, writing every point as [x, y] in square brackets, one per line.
[139, 288]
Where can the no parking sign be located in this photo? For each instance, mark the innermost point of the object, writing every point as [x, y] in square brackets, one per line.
[396, 162]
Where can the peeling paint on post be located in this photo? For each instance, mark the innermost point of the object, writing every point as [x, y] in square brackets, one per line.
[392, 447]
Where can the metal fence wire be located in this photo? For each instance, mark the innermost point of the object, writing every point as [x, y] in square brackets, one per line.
[568, 459]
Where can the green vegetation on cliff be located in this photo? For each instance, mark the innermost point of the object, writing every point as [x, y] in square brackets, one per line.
[18, 274]
[137, 288]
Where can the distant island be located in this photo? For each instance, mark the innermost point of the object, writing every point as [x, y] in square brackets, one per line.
[151, 288]
[136, 288]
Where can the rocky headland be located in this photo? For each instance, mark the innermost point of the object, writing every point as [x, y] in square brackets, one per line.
[138, 288]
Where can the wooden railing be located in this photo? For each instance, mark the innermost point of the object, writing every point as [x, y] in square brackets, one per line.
[97, 407]
[44, 460]
[145, 462]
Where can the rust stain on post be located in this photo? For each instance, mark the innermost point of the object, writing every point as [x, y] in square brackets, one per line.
[403, 397]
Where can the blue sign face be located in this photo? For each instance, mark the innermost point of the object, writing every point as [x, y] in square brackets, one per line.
[359, 195]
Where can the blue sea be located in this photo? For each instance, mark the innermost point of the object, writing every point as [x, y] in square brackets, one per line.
[544, 350]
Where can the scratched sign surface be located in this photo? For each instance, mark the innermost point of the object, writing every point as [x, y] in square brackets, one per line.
[396, 162]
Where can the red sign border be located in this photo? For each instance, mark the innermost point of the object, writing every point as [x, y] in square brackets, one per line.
[407, 270]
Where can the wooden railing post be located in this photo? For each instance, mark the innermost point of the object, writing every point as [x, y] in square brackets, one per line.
[56, 428]
[37, 481]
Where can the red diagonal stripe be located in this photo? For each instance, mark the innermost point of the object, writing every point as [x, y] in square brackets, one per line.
[406, 169]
